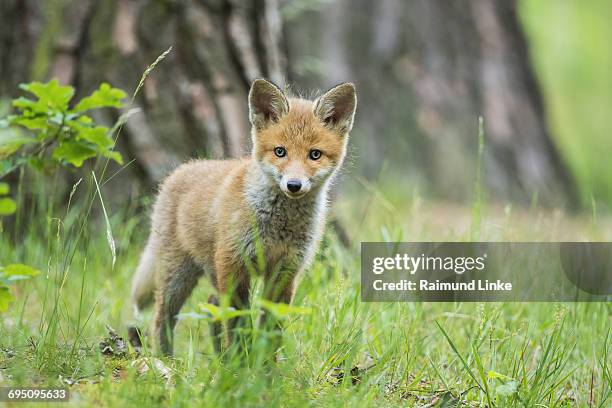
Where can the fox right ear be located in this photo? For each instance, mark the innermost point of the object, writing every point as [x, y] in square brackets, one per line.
[336, 108]
[267, 104]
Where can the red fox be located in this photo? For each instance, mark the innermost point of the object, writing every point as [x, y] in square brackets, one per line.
[214, 217]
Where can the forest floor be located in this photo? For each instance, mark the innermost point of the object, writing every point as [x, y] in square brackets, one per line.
[337, 350]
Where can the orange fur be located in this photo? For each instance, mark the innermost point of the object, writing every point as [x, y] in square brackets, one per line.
[210, 213]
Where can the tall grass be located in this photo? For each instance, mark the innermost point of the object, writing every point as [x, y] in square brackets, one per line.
[337, 351]
[343, 352]
[478, 190]
[66, 253]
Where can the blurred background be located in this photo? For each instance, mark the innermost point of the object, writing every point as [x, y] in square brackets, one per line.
[537, 72]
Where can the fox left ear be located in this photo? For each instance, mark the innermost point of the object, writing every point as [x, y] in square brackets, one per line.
[267, 103]
[336, 108]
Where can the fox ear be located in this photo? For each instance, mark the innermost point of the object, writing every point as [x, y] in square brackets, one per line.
[336, 108]
[267, 104]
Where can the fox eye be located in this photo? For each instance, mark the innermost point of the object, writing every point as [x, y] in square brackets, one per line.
[315, 154]
[280, 151]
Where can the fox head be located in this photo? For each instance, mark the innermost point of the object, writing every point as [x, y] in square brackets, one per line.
[299, 144]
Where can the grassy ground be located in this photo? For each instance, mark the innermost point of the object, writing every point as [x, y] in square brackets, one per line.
[343, 353]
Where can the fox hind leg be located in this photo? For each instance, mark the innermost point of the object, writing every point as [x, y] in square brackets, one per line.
[174, 289]
[216, 327]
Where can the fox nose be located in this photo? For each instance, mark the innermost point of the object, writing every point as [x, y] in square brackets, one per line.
[294, 185]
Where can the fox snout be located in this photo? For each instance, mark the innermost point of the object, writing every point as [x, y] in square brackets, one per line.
[295, 187]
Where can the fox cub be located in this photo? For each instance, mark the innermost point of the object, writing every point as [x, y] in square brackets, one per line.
[217, 217]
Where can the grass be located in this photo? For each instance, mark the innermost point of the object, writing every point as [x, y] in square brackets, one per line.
[337, 351]
[342, 353]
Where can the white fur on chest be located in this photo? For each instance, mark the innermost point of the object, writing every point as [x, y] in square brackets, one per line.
[287, 229]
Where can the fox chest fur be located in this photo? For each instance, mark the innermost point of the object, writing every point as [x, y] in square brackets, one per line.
[284, 230]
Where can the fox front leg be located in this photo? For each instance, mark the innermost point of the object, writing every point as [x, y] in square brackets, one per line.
[233, 280]
[278, 290]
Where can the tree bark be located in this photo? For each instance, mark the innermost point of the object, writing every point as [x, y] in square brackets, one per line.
[425, 71]
[194, 102]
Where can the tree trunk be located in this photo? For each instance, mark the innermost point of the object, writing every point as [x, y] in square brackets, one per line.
[425, 71]
[194, 102]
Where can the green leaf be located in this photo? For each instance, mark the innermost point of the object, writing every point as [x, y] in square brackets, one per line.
[73, 152]
[217, 313]
[85, 119]
[26, 104]
[99, 137]
[284, 310]
[104, 97]
[4, 188]
[7, 206]
[32, 123]
[113, 155]
[11, 141]
[96, 135]
[5, 298]
[498, 376]
[21, 270]
[56, 118]
[51, 94]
